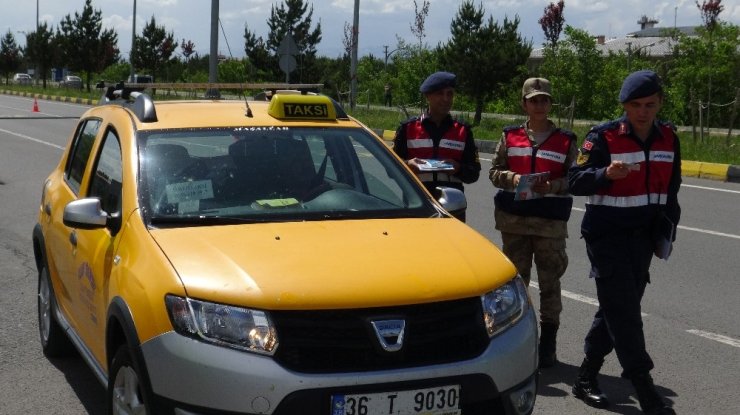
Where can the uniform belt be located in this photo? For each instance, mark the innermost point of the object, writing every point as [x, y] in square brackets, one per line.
[441, 177]
[566, 195]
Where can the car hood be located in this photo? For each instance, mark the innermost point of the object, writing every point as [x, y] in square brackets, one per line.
[334, 264]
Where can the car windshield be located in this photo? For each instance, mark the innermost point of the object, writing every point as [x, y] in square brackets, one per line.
[256, 174]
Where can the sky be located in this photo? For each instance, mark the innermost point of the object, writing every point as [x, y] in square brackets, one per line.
[381, 22]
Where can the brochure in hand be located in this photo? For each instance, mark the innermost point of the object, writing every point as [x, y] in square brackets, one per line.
[435, 165]
[524, 190]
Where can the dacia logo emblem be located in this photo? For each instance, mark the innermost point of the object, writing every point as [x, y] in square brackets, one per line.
[390, 333]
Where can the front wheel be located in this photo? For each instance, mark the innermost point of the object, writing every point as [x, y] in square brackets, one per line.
[54, 342]
[126, 393]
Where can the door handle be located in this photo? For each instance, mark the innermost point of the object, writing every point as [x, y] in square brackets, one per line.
[73, 238]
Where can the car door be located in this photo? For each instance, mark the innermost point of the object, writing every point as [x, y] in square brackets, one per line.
[94, 255]
[61, 189]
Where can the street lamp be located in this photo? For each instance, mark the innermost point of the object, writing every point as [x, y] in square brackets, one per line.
[388, 55]
[637, 50]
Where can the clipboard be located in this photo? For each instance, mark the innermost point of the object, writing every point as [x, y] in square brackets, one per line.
[664, 232]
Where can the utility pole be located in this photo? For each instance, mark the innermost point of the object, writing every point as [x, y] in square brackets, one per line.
[213, 93]
[36, 70]
[353, 66]
[133, 40]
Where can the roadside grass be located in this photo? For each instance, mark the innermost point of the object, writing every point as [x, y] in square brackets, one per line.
[713, 148]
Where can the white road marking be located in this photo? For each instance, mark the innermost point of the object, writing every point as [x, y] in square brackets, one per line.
[726, 235]
[688, 228]
[707, 335]
[577, 297]
[710, 188]
[35, 140]
[716, 337]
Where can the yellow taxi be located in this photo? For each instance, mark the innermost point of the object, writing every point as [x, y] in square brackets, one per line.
[271, 257]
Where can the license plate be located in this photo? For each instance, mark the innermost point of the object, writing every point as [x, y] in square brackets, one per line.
[442, 400]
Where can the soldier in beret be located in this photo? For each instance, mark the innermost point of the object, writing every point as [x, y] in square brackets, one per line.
[630, 170]
[436, 136]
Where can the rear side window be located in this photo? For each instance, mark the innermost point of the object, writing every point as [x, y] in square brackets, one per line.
[80, 153]
[108, 175]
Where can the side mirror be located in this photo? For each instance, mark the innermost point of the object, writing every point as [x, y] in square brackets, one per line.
[453, 200]
[87, 214]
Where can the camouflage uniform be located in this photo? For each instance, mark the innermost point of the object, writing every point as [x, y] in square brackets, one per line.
[525, 237]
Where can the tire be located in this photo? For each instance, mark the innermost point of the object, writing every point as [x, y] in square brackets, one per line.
[126, 393]
[54, 342]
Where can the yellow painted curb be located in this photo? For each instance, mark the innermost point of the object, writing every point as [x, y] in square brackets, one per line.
[704, 170]
[388, 134]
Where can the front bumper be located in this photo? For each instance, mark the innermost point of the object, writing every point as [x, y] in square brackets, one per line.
[200, 378]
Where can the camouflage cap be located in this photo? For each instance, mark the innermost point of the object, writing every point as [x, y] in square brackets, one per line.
[535, 86]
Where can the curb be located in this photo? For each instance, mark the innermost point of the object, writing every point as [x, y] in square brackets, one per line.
[700, 169]
[72, 100]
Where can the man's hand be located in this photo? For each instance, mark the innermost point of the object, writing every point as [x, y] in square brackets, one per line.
[455, 165]
[542, 187]
[414, 164]
[617, 170]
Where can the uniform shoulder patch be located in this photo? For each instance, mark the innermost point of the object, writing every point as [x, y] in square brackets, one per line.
[584, 152]
[582, 157]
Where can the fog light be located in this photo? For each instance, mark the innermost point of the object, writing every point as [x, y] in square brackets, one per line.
[523, 398]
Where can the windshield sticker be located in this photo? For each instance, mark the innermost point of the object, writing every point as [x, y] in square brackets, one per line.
[185, 191]
[269, 128]
[188, 206]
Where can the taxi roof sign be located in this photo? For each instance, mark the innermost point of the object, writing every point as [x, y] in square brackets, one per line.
[302, 107]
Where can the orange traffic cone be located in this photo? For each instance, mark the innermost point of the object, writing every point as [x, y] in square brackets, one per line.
[35, 105]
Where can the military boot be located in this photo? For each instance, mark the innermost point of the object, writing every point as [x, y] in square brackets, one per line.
[650, 401]
[586, 388]
[548, 333]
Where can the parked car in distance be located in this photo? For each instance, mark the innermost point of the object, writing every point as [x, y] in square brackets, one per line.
[140, 79]
[71, 81]
[22, 79]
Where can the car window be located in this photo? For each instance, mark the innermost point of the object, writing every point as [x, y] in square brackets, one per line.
[274, 173]
[80, 153]
[107, 177]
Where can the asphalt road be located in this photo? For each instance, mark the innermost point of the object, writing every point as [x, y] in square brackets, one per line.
[691, 308]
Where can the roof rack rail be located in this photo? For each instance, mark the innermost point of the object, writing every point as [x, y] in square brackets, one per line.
[130, 97]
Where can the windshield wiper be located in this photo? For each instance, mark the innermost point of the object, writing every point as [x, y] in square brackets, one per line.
[208, 220]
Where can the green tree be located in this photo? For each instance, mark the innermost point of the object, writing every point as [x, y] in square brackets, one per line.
[294, 17]
[40, 50]
[10, 55]
[693, 81]
[82, 41]
[413, 66]
[117, 72]
[370, 72]
[232, 71]
[154, 48]
[574, 67]
[262, 65]
[485, 56]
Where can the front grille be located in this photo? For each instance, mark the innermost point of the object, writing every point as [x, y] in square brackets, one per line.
[329, 341]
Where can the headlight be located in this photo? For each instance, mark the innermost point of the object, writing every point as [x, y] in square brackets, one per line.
[504, 306]
[237, 327]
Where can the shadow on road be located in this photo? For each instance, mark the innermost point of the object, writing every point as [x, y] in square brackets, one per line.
[557, 382]
[85, 385]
